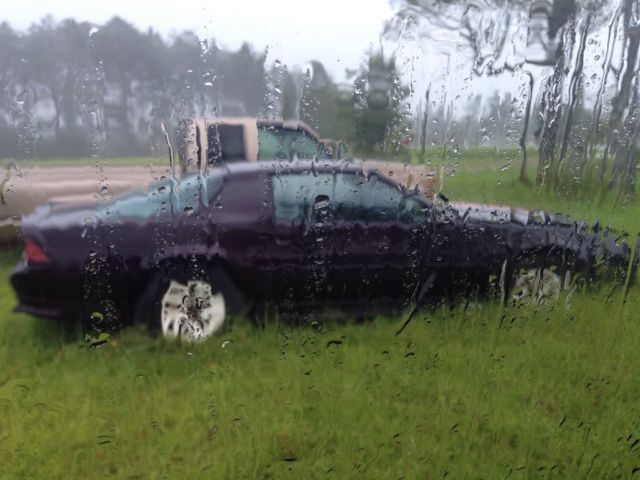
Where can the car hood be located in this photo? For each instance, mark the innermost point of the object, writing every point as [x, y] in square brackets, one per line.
[591, 243]
[488, 213]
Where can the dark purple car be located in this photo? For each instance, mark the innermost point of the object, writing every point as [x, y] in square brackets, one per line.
[297, 235]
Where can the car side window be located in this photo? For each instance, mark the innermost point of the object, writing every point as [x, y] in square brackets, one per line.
[350, 196]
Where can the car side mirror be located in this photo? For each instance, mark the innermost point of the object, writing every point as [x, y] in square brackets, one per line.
[321, 208]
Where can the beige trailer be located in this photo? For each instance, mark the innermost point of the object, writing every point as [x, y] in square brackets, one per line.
[22, 190]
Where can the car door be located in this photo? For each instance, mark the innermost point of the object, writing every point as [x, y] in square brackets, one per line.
[243, 235]
[373, 235]
[348, 236]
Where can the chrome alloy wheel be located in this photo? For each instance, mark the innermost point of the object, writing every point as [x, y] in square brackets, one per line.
[191, 312]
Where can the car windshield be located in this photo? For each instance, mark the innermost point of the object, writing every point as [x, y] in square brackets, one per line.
[336, 239]
[279, 143]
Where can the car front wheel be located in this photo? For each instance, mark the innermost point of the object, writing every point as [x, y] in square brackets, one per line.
[190, 307]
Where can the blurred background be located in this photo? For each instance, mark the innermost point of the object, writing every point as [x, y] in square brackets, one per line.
[547, 89]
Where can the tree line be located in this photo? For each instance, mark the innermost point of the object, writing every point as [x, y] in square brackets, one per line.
[72, 88]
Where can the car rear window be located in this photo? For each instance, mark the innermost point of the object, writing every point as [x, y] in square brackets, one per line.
[168, 197]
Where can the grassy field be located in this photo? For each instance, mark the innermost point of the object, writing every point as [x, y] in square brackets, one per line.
[481, 392]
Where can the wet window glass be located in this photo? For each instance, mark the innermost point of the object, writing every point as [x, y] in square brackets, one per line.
[338, 239]
[349, 197]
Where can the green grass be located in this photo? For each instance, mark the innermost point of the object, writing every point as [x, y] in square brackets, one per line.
[472, 155]
[481, 392]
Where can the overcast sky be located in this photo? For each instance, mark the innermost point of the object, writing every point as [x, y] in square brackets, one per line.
[336, 32]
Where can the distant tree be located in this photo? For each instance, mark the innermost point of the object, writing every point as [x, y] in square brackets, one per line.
[313, 97]
[243, 77]
[343, 125]
[470, 127]
[10, 54]
[624, 147]
[380, 110]
[10, 51]
[43, 66]
[119, 48]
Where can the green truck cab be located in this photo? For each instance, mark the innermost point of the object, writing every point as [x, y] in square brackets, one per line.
[205, 142]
